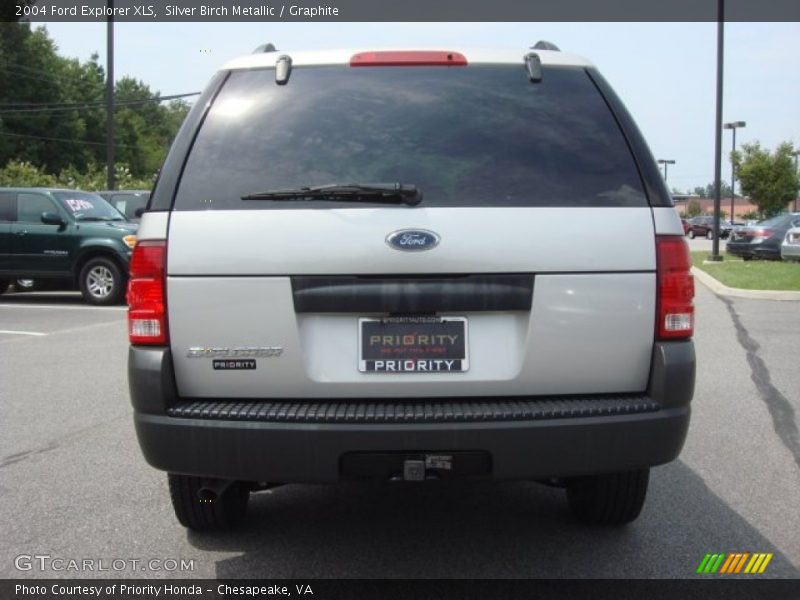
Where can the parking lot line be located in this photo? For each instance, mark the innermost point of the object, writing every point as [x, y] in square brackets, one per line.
[21, 332]
[60, 306]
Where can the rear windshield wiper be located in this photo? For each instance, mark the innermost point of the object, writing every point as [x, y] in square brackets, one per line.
[387, 193]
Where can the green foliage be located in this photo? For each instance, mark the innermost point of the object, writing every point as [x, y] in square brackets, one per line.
[700, 191]
[711, 191]
[768, 178]
[32, 74]
[24, 174]
[92, 178]
[750, 215]
[693, 209]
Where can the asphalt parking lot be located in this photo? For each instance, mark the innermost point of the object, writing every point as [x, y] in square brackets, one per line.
[75, 486]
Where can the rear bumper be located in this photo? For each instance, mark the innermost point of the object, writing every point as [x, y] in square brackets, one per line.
[532, 447]
[790, 251]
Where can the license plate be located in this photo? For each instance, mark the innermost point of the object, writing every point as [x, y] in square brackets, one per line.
[413, 345]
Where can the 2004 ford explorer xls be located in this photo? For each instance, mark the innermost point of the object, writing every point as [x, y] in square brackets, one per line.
[410, 265]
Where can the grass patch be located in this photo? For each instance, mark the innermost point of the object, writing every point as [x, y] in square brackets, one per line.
[752, 274]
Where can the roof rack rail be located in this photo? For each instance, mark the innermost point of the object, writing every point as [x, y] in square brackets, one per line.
[545, 45]
[265, 48]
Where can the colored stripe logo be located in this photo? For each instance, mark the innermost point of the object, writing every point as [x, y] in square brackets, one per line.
[735, 563]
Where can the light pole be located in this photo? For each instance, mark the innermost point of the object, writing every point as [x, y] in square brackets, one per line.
[665, 162]
[715, 257]
[110, 183]
[733, 126]
[796, 174]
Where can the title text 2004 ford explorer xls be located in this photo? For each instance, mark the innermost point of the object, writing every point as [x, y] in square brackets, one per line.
[410, 265]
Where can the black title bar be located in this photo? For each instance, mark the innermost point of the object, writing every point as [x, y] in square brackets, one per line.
[150, 11]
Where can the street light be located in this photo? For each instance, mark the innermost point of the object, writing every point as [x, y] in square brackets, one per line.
[733, 126]
[795, 154]
[665, 162]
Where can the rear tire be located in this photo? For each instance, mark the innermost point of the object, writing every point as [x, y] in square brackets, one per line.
[3, 286]
[102, 282]
[710, 234]
[26, 285]
[202, 515]
[691, 234]
[610, 499]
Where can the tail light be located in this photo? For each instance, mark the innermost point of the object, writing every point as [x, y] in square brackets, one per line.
[675, 311]
[147, 303]
[762, 233]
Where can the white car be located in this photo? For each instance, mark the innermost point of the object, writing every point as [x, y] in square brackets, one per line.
[354, 266]
[790, 247]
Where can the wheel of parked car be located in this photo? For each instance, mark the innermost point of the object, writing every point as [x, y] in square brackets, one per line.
[710, 234]
[201, 509]
[691, 234]
[25, 285]
[3, 286]
[610, 499]
[102, 281]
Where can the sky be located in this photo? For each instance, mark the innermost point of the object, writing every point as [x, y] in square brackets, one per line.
[664, 72]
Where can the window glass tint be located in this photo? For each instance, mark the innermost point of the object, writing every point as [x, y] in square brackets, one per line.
[88, 207]
[6, 206]
[31, 206]
[128, 203]
[475, 136]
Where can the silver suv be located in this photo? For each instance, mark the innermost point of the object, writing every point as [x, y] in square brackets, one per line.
[407, 266]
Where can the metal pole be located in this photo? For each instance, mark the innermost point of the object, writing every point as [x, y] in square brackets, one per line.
[733, 172]
[665, 172]
[718, 131]
[796, 175]
[110, 183]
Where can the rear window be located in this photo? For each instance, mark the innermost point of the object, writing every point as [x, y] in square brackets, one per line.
[128, 204]
[474, 136]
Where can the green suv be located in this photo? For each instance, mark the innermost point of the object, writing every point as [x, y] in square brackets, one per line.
[65, 238]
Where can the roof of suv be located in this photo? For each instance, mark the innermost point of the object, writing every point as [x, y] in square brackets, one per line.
[307, 58]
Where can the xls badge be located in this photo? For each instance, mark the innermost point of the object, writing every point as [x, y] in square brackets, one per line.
[237, 352]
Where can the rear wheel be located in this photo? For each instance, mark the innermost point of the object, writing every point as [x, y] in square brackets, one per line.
[102, 282]
[199, 510]
[610, 499]
[3, 286]
[25, 285]
[691, 234]
[710, 234]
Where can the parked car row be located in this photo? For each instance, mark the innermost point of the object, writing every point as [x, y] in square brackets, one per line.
[703, 226]
[67, 239]
[776, 238]
[767, 239]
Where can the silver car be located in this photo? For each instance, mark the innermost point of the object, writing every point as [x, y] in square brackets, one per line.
[790, 248]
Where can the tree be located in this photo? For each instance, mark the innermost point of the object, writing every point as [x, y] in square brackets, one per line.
[711, 192]
[700, 191]
[768, 178]
[693, 209]
[52, 113]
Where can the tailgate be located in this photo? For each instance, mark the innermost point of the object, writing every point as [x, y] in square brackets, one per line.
[554, 300]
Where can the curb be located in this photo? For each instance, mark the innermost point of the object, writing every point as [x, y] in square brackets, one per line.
[723, 290]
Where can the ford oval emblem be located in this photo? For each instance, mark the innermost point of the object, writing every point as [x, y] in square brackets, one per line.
[413, 240]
